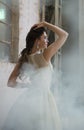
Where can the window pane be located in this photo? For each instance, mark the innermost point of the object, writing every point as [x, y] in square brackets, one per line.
[60, 2]
[50, 2]
[5, 32]
[5, 29]
[4, 52]
[5, 14]
[60, 16]
[50, 16]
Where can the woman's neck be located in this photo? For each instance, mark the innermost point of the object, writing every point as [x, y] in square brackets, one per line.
[36, 50]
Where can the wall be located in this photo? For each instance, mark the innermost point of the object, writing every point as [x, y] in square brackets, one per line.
[29, 15]
[72, 88]
[81, 48]
[70, 51]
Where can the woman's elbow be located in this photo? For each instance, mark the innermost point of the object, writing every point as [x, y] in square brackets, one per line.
[11, 83]
[66, 34]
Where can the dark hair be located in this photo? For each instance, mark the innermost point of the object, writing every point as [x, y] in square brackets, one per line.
[32, 35]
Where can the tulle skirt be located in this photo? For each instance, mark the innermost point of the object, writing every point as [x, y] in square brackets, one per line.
[35, 108]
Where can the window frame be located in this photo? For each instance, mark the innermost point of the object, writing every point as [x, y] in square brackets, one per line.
[14, 29]
[58, 22]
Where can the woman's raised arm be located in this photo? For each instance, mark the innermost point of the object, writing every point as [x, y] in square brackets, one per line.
[56, 45]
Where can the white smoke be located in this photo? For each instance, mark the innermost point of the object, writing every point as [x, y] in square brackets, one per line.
[65, 90]
[70, 104]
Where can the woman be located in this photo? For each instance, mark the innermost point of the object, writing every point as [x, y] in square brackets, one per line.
[35, 109]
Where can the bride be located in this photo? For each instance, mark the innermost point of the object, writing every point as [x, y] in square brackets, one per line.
[35, 108]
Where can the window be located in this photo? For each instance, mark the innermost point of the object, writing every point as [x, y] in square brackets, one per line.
[58, 21]
[9, 30]
[51, 11]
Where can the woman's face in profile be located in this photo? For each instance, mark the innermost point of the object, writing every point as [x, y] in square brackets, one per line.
[43, 41]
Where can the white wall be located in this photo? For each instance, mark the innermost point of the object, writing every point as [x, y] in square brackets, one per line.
[81, 48]
[72, 88]
[28, 15]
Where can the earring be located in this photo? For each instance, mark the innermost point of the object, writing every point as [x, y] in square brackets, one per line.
[37, 46]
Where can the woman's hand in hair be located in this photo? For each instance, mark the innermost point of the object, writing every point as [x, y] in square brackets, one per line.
[41, 24]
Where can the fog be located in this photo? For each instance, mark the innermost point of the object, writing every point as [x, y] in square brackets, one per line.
[66, 93]
[68, 82]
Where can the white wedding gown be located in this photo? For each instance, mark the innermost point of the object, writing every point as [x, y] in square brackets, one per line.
[35, 108]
